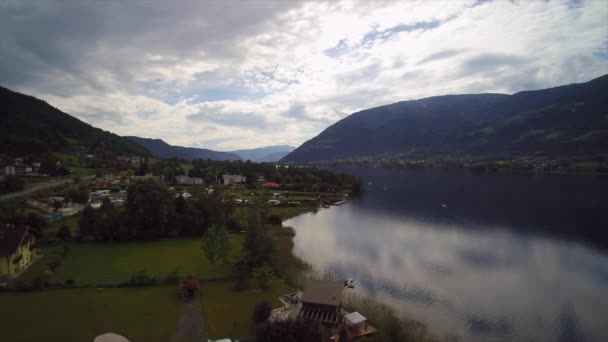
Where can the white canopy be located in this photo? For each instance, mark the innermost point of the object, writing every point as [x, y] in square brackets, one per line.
[110, 337]
[355, 318]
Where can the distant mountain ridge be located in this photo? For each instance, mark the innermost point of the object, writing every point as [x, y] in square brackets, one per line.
[265, 154]
[160, 149]
[31, 126]
[565, 120]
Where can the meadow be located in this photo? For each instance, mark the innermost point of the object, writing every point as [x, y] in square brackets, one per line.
[114, 263]
[144, 314]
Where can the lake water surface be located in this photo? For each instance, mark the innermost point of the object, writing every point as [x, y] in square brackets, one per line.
[483, 257]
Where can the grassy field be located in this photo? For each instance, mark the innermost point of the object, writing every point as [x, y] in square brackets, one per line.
[70, 221]
[92, 264]
[228, 313]
[144, 314]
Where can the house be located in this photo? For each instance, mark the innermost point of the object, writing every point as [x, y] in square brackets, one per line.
[322, 302]
[231, 179]
[185, 180]
[23, 170]
[8, 170]
[271, 185]
[17, 249]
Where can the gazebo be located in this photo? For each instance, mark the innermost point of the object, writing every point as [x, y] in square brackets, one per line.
[189, 288]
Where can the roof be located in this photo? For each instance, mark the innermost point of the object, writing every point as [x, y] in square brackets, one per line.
[270, 185]
[190, 283]
[355, 318]
[323, 292]
[11, 237]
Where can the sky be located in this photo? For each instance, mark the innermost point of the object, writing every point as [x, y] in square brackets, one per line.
[234, 74]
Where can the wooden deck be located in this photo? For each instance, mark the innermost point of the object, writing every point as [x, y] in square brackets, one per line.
[359, 331]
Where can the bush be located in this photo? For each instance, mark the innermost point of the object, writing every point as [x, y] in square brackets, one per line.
[275, 219]
[53, 264]
[141, 278]
[70, 282]
[64, 233]
[261, 312]
[234, 226]
[172, 277]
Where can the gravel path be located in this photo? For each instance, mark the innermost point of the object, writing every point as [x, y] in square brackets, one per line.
[190, 326]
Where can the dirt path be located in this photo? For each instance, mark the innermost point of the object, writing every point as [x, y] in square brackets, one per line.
[190, 326]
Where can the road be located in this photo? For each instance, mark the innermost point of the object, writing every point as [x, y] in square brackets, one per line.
[35, 188]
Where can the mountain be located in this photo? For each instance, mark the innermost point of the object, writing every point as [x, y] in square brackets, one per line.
[31, 126]
[566, 120]
[265, 154]
[161, 149]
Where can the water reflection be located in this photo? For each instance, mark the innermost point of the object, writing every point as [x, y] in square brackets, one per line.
[463, 274]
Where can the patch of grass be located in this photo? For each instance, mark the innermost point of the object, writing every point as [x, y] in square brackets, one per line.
[144, 314]
[229, 313]
[70, 221]
[98, 263]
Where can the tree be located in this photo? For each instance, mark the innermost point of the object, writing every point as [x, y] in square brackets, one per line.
[11, 184]
[64, 232]
[216, 244]
[261, 312]
[279, 331]
[86, 224]
[148, 208]
[263, 276]
[57, 205]
[77, 195]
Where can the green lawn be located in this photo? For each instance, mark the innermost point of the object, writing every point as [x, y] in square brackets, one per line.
[70, 221]
[144, 314]
[98, 263]
[229, 313]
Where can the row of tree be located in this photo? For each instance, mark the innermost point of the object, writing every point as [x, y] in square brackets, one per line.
[151, 212]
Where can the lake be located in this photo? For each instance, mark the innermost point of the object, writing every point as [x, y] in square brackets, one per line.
[485, 257]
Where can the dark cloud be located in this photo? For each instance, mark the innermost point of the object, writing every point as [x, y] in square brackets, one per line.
[490, 62]
[70, 47]
[440, 55]
[374, 35]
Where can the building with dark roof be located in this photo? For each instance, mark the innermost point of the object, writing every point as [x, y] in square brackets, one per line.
[322, 301]
[17, 249]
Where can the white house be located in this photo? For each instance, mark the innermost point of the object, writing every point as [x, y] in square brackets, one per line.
[231, 179]
[185, 180]
[9, 170]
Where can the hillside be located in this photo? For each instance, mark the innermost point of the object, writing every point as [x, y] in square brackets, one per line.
[31, 126]
[160, 149]
[265, 154]
[566, 120]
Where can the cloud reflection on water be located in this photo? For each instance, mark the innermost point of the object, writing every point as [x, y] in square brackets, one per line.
[490, 283]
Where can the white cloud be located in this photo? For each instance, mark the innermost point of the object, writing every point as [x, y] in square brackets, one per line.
[237, 75]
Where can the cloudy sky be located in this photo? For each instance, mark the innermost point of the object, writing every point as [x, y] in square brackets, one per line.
[244, 74]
